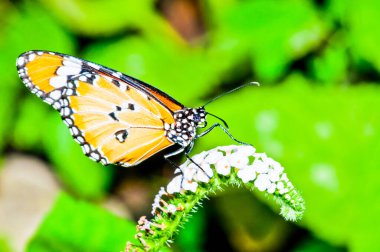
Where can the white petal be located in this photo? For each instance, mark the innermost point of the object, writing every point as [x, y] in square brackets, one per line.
[283, 191]
[277, 166]
[260, 166]
[239, 160]
[201, 175]
[247, 174]
[272, 188]
[284, 177]
[274, 176]
[214, 157]
[162, 191]
[246, 150]
[223, 167]
[262, 182]
[177, 170]
[174, 186]
[189, 185]
[171, 208]
[206, 168]
[189, 171]
[280, 186]
[199, 158]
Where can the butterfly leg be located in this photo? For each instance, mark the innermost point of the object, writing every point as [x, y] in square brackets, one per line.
[182, 149]
[176, 152]
[225, 131]
[187, 150]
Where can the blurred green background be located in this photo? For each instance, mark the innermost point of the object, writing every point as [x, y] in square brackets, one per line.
[316, 112]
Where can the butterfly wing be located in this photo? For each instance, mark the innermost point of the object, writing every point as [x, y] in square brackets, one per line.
[115, 118]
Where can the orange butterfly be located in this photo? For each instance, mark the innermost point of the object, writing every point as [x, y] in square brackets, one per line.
[115, 118]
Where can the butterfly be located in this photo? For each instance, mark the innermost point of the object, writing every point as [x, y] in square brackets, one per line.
[115, 118]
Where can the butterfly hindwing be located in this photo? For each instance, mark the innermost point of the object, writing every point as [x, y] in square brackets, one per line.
[115, 118]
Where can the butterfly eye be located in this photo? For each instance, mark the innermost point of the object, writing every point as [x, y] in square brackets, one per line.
[197, 118]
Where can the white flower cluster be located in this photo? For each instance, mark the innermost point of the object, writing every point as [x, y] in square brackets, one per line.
[266, 173]
[222, 165]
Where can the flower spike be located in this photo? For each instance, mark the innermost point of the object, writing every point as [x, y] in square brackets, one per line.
[226, 165]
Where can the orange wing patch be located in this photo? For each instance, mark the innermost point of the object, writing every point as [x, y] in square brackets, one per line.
[168, 103]
[40, 72]
[113, 121]
[140, 144]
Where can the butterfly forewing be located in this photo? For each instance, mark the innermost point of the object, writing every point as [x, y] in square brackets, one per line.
[115, 118]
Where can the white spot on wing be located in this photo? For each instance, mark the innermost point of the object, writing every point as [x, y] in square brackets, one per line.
[71, 63]
[83, 78]
[123, 86]
[86, 148]
[58, 81]
[49, 100]
[56, 105]
[74, 60]
[31, 57]
[117, 74]
[79, 139]
[21, 61]
[74, 131]
[56, 94]
[69, 92]
[94, 156]
[65, 111]
[68, 70]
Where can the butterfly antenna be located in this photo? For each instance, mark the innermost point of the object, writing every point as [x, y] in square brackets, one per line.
[224, 122]
[230, 91]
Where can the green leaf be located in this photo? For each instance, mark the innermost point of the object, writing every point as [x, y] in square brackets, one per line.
[331, 66]
[101, 17]
[274, 32]
[73, 225]
[30, 125]
[362, 20]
